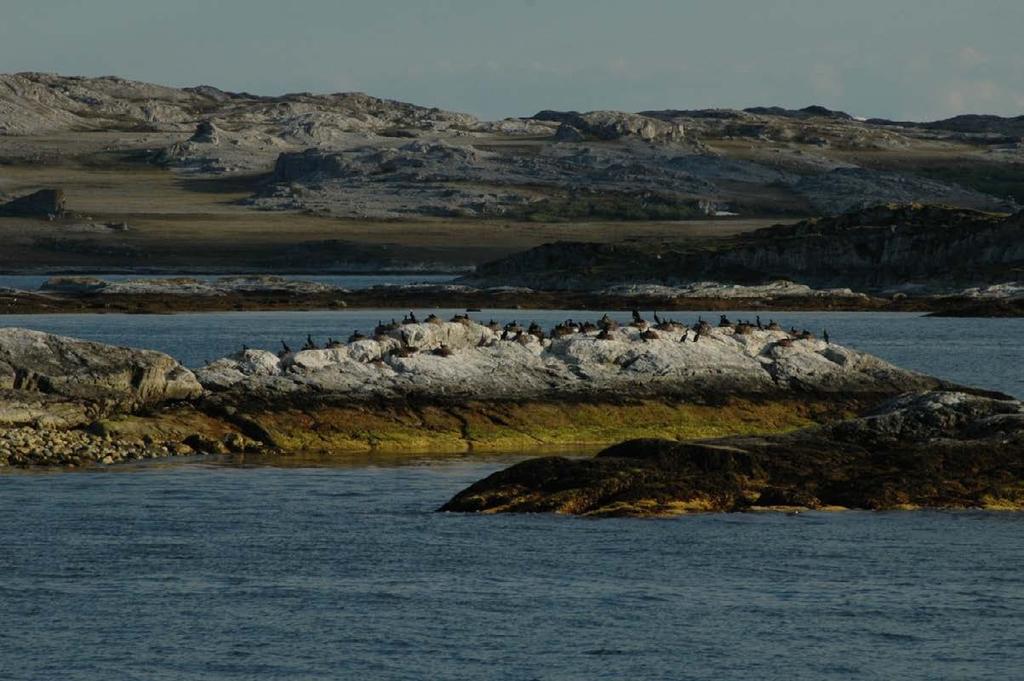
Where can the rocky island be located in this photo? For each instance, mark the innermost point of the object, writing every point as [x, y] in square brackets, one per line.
[434, 385]
[931, 449]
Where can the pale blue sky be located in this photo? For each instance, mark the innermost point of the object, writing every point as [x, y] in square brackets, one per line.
[896, 58]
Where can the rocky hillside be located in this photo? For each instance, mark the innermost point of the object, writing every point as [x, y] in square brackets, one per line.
[875, 249]
[357, 156]
[38, 103]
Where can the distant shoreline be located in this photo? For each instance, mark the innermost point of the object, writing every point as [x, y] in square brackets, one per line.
[443, 297]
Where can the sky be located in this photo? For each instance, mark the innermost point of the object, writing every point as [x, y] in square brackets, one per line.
[902, 59]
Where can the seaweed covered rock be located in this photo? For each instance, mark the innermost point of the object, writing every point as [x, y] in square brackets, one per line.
[932, 449]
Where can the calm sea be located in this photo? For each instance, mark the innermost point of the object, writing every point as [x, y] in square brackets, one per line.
[199, 571]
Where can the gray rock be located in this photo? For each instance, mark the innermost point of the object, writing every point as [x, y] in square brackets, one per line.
[82, 371]
[466, 360]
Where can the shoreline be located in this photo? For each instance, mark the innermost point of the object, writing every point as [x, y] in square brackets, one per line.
[442, 297]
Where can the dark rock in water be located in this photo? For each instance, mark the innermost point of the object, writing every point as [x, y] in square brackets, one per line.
[43, 203]
[935, 449]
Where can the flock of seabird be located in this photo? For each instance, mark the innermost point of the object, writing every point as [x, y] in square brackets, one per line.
[606, 328]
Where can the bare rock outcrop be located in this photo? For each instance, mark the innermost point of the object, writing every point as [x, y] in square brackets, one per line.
[613, 125]
[464, 360]
[40, 368]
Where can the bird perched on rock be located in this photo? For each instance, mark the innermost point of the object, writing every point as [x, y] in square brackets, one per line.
[285, 350]
[356, 336]
[701, 328]
[310, 344]
[513, 328]
[410, 318]
[607, 322]
[560, 330]
[825, 337]
[433, 319]
[638, 321]
[668, 325]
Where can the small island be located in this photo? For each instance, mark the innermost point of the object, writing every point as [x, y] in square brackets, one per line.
[427, 384]
[926, 450]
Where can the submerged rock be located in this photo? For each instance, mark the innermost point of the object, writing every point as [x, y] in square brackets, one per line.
[932, 449]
